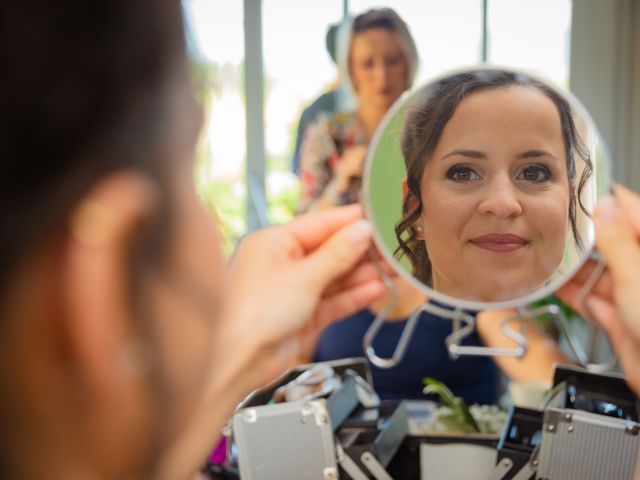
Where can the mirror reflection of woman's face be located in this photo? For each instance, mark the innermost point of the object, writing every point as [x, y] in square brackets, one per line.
[378, 67]
[495, 196]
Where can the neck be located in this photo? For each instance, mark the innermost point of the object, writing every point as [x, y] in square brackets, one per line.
[484, 292]
[370, 117]
[43, 402]
[39, 436]
[443, 286]
[39, 460]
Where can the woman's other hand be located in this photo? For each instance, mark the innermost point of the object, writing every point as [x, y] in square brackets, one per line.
[614, 299]
[350, 165]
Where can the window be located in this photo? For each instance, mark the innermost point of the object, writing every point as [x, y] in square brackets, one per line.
[216, 42]
[447, 34]
[297, 68]
[532, 35]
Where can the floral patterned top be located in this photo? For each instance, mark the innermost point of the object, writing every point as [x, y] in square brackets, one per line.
[324, 142]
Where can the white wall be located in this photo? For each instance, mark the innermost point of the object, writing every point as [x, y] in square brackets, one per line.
[605, 75]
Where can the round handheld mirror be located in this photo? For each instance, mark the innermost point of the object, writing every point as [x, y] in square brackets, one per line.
[480, 186]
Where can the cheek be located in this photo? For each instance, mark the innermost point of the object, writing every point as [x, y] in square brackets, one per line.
[401, 74]
[442, 234]
[186, 297]
[198, 246]
[357, 77]
[444, 215]
[550, 214]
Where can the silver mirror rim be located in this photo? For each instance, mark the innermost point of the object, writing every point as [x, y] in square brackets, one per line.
[441, 297]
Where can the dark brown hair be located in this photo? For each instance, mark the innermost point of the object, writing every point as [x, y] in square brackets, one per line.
[84, 93]
[431, 108]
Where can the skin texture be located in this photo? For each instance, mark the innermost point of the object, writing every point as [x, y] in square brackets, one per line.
[499, 168]
[613, 301]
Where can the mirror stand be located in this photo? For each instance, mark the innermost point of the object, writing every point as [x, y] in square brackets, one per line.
[459, 332]
[458, 317]
[463, 325]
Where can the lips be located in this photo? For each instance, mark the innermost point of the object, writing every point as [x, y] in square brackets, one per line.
[500, 242]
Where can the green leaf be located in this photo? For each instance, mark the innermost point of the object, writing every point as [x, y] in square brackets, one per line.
[447, 398]
[435, 387]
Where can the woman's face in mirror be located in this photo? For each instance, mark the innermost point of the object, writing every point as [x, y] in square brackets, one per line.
[378, 67]
[495, 196]
[480, 186]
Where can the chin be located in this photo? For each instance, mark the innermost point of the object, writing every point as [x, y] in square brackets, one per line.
[507, 290]
[386, 102]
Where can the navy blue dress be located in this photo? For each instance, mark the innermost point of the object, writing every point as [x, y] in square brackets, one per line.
[473, 378]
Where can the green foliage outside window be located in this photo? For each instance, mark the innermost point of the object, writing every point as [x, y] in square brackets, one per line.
[226, 199]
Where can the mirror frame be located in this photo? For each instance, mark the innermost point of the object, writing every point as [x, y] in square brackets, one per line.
[604, 174]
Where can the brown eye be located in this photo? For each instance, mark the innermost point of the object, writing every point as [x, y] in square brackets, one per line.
[536, 173]
[367, 64]
[392, 61]
[462, 173]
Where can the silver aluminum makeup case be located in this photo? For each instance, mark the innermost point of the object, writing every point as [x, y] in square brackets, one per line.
[590, 430]
[321, 439]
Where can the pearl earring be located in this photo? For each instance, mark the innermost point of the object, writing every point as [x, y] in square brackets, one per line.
[417, 228]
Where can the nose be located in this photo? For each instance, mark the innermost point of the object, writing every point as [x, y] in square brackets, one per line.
[382, 72]
[501, 199]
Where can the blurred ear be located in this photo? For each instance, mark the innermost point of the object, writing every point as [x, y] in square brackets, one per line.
[96, 278]
[413, 202]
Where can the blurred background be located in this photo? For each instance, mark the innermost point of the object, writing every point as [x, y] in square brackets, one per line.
[259, 63]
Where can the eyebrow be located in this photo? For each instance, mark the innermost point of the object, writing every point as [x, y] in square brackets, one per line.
[482, 155]
[465, 153]
[536, 154]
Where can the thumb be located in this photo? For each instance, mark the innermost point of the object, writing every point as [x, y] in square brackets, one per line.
[337, 255]
[617, 241]
[629, 203]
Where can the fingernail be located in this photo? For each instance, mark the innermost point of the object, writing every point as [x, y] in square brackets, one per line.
[607, 210]
[359, 231]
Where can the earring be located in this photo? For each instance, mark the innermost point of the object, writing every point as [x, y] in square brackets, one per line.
[417, 228]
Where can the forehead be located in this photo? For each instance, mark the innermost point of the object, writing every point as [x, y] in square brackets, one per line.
[373, 41]
[513, 110]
